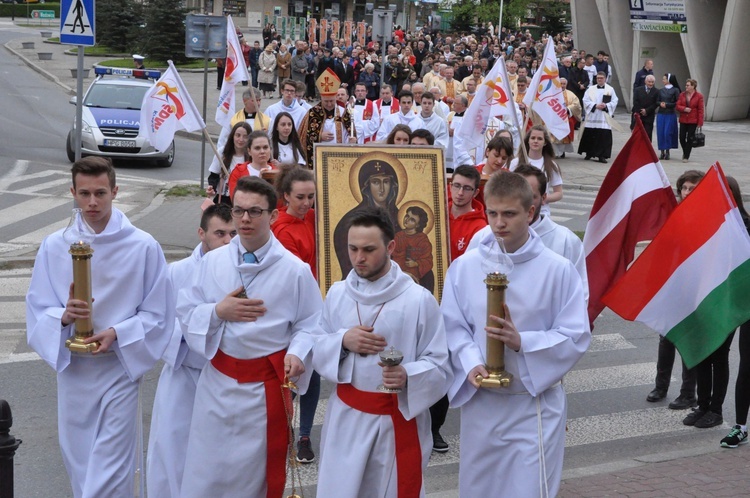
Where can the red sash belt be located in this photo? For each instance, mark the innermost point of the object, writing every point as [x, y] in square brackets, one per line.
[269, 370]
[408, 449]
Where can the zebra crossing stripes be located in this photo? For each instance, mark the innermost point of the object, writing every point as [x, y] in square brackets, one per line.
[48, 192]
[575, 203]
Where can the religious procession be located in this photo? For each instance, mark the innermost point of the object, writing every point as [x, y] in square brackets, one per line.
[384, 226]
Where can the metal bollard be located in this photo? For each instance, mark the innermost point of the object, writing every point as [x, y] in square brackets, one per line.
[8, 447]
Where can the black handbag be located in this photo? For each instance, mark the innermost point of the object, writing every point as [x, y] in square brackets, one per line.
[699, 139]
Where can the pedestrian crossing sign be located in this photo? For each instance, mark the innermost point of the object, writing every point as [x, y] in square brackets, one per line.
[77, 22]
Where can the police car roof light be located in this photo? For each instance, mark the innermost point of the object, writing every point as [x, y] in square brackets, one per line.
[118, 71]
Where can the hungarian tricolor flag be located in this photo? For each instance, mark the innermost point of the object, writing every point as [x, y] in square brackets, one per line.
[633, 203]
[692, 282]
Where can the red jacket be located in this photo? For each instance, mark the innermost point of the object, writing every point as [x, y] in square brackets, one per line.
[695, 116]
[298, 236]
[464, 227]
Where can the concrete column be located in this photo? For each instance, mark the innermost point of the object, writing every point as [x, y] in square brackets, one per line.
[729, 94]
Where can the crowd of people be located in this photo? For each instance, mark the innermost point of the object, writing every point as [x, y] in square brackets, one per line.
[243, 315]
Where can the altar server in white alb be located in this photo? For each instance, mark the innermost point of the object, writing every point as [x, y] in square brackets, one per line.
[175, 393]
[428, 120]
[376, 444]
[366, 116]
[404, 116]
[97, 393]
[560, 239]
[239, 435]
[513, 438]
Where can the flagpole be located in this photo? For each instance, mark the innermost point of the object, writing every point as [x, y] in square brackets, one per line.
[216, 152]
[500, 21]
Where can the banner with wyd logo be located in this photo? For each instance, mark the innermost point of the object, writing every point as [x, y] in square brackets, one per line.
[166, 108]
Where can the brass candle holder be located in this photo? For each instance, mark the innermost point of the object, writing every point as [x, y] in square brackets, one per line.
[80, 236]
[497, 265]
[496, 284]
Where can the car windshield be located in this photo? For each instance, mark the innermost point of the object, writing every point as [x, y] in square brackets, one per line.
[116, 96]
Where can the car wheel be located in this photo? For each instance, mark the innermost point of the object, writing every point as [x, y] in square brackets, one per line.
[69, 148]
[167, 161]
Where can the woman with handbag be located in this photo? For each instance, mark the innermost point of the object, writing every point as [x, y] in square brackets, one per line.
[690, 110]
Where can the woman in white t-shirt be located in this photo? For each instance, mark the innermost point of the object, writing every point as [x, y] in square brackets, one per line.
[235, 152]
[541, 156]
[287, 147]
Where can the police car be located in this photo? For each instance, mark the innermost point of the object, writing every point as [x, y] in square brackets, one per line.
[111, 115]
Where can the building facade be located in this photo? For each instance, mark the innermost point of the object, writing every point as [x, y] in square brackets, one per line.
[704, 47]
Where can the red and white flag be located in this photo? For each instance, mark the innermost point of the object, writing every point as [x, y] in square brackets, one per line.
[633, 203]
[166, 108]
[235, 71]
[493, 99]
[545, 95]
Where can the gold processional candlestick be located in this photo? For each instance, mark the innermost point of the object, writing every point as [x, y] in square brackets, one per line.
[496, 284]
[79, 235]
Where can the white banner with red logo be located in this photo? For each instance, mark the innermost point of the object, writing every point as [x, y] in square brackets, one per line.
[166, 108]
[493, 99]
[545, 95]
[235, 71]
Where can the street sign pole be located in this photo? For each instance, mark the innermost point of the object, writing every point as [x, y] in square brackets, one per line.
[77, 18]
[79, 101]
[205, 38]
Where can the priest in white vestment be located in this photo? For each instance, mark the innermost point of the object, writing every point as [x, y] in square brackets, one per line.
[521, 428]
[249, 309]
[175, 392]
[599, 104]
[376, 444]
[97, 393]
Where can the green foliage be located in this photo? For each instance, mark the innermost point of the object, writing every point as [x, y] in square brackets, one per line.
[555, 13]
[19, 10]
[165, 30]
[467, 13]
[463, 16]
[118, 24]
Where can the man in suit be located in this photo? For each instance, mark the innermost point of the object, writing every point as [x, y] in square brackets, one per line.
[644, 104]
[466, 70]
[347, 74]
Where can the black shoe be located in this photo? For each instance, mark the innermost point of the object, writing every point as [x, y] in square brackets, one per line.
[667, 156]
[562, 156]
[661, 156]
[656, 395]
[587, 158]
[682, 403]
[694, 416]
[304, 450]
[735, 438]
[438, 443]
[602, 160]
[710, 419]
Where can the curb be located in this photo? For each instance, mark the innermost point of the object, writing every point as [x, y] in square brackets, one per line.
[631, 463]
[39, 70]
